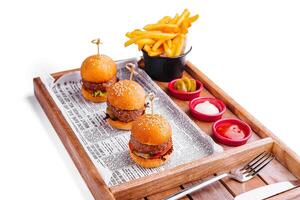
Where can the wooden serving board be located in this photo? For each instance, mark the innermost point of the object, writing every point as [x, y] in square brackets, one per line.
[159, 185]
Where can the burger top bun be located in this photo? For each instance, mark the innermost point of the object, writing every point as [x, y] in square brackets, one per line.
[126, 95]
[151, 129]
[98, 69]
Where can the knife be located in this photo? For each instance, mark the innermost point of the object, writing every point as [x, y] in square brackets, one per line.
[268, 190]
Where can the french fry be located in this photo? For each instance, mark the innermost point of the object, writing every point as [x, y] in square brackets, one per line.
[157, 45]
[157, 35]
[169, 43]
[167, 50]
[152, 35]
[184, 26]
[193, 18]
[147, 48]
[145, 41]
[134, 33]
[174, 20]
[141, 43]
[173, 28]
[174, 45]
[131, 41]
[156, 53]
[153, 53]
[128, 34]
[164, 20]
[184, 15]
[180, 44]
[140, 46]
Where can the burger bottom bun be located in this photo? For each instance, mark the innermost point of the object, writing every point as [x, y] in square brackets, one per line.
[150, 163]
[88, 96]
[120, 125]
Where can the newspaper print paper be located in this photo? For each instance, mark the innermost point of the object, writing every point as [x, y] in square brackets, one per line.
[108, 147]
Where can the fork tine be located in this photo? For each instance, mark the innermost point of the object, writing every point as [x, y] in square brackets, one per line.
[261, 165]
[257, 170]
[252, 167]
[246, 165]
[255, 160]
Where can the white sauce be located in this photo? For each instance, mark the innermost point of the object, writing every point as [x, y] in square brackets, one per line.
[207, 108]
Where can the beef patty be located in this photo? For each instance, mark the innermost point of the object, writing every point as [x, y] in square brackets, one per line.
[149, 149]
[91, 86]
[124, 115]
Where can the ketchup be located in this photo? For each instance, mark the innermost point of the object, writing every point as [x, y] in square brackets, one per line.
[231, 131]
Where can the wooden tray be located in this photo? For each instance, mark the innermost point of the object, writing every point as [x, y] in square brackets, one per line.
[159, 185]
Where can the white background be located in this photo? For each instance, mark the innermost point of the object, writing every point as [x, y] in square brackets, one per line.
[249, 48]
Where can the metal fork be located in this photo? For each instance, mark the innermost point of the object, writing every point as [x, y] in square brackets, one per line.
[240, 174]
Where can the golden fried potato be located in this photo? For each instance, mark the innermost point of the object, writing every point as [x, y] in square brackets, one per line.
[166, 37]
[164, 20]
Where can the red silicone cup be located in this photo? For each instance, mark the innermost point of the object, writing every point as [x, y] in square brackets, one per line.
[185, 96]
[204, 117]
[232, 142]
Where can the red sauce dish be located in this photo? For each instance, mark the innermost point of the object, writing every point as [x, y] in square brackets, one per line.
[232, 132]
[205, 117]
[185, 96]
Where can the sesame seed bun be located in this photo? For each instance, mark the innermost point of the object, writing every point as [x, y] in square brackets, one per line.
[88, 96]
[151, 129]
[150, 163]
[126, 95]
[98, 69]
[120, 125]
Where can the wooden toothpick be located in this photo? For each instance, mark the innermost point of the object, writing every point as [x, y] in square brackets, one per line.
[97, 42]
[152, 98]
[131, 68]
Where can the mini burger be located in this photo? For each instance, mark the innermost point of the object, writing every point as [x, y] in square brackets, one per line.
[98, 73]
[150, 142]
[125, 103]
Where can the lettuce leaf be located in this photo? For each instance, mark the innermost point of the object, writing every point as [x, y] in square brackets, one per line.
[99, 93]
